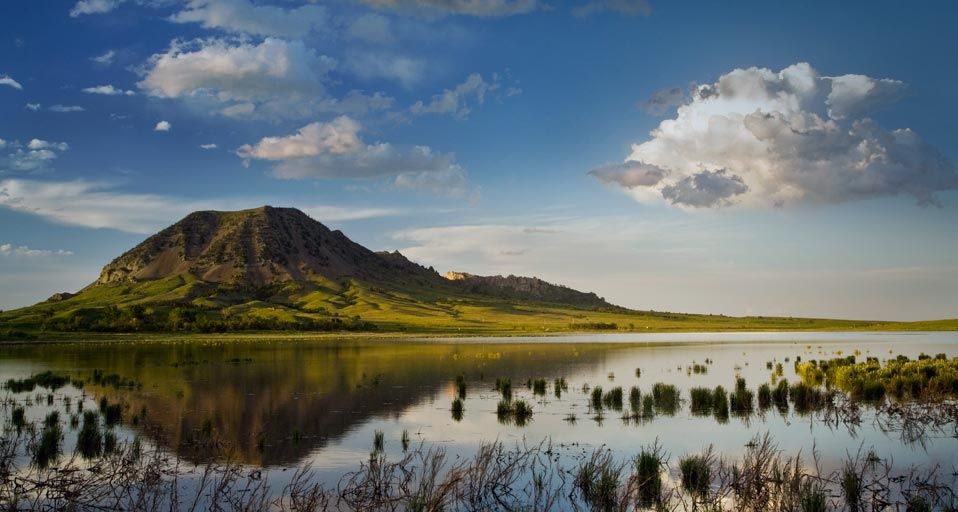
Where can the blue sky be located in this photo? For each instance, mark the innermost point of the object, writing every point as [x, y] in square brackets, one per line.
[753, 158]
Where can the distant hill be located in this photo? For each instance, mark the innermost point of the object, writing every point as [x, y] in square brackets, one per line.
[273, 267]
[278, 269]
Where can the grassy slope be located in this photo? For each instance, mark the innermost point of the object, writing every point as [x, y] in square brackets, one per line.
[420, 310]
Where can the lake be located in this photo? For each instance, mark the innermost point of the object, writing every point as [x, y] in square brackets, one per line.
[284, 404]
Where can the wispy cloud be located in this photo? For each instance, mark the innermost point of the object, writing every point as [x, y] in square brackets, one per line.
[22, 250]
[101, 205]
[10, 82]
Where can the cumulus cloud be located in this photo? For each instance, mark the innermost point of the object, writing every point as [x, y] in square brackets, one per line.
[101, 205]
[108, 90]
[93, 7]
[163, 126]
[22, 250]
[10, 82]
[336, 150]
[857, 95]
[663, 101]
[36, 155]
[762, 138]
[705, 189]
[33, 106]
[243, 17]
[105, 58]
[459, 100]
[66, 108]
[480, 8]
[274, 77]
[629, 7]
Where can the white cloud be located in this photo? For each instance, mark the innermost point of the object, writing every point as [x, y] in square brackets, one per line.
[108, 90]
[407, 71]
[629, 7]
[105, 58]
[458, 101]
[857, 95]
[65, 108]
[243, 17]
[208, 146]
[33, 106]
[100, 205]
[93, 7]
[43, 144]
[38, 154]
[22, 250]
[8, 81]
[481, 8]
[336, 150]
[274, 77]
[163, 126]
[758, 138]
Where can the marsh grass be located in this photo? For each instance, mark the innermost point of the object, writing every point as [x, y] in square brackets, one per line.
[720, 407]
[764, 397]
[504, 387]
[89, 439]
[457, 409]
[539, 387]
[461, 387]
[612, 399]
[696, 473]
[701, 401]
[648, 476]
[666, 398]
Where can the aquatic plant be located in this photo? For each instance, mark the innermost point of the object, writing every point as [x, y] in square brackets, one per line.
[666, 397]
[720, 404]
[89, 439]
[521, 412]
[47, 380]
[851, 485]
[539, 387]
[18, 417]
[764, 397]
[457, 409]
[696, 474]
[635, 400]
[596, 398]
[780, 396]
[379, 441]
[559, 386]
[701, 401]
[612, 399]
[598, 481]
[461, 387]
[504, 387]
[47, 449]
[648, 476]
[404, 440]
[813, 499]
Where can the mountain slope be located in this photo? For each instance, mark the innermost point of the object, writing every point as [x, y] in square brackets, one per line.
[278, 268]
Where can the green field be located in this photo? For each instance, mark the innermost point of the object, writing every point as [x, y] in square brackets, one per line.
[184, 304]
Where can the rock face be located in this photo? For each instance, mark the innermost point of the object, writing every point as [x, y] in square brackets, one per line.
[526, 288]
[257, 247]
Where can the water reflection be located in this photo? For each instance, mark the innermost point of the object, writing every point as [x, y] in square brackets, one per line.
[281, 404]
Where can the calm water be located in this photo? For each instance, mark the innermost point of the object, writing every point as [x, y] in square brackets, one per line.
[284, 404]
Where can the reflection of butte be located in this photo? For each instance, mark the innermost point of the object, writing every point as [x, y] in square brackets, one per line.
[321, 392]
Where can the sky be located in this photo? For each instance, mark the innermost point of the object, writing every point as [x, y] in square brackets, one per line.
[746, 158]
